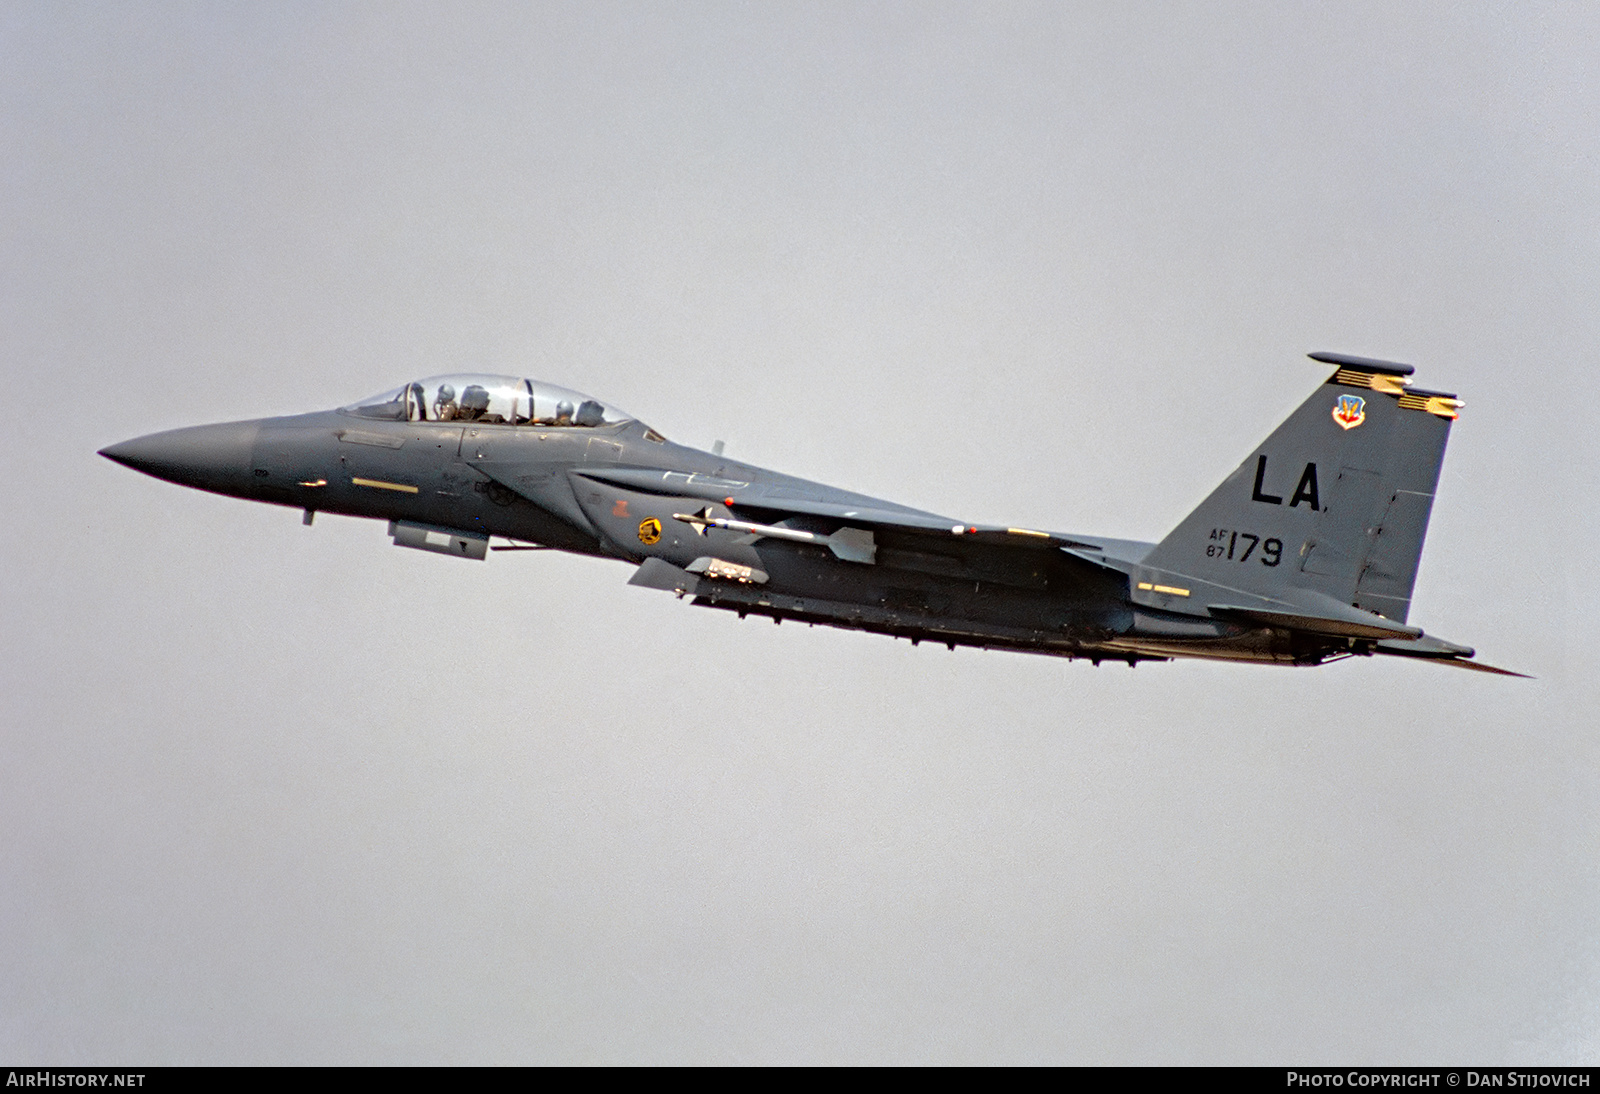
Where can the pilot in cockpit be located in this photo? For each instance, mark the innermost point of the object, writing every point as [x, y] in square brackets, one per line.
[444, 404]
[590, 413]
[475, 404]
[487, 400]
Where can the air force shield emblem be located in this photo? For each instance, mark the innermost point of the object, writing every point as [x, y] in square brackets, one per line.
[1350, 411]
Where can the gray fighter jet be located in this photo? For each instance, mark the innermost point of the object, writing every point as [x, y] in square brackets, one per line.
[1306, 553]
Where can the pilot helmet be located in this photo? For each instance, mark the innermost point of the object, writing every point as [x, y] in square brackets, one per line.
[590, 413]
[563, 409]
[447, 394]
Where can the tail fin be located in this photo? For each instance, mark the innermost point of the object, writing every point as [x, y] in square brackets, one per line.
[1329, 511]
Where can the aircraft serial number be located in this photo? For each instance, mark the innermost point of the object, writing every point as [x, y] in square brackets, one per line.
[1236, 546]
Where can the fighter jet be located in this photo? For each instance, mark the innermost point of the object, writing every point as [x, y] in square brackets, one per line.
[1307, 553]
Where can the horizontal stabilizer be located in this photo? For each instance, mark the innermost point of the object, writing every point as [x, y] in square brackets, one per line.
[1317, 614]
[1479, 666]
[1428, 648]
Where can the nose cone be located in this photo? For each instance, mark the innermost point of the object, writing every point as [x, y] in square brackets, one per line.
[207, 457]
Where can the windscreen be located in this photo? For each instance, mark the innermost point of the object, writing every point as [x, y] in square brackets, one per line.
[488, 400]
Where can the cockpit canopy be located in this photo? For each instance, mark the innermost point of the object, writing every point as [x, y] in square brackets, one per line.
[489, 400]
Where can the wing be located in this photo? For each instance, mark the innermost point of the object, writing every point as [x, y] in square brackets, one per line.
[774, 503]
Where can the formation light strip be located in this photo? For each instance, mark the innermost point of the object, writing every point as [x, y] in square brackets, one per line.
[379, 484]
[1170, 590]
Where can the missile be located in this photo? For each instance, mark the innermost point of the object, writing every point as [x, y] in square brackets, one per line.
[848, 544]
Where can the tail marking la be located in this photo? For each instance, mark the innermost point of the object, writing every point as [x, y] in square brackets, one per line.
[1305, 490]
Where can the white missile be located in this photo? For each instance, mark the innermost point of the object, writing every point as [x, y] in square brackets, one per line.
[849, 544]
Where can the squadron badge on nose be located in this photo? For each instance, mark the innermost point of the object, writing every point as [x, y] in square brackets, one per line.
[650, 531]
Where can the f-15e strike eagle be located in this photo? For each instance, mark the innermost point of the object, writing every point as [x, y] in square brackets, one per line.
[1306, 553]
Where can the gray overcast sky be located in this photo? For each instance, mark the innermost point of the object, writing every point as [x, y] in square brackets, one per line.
[287, 795]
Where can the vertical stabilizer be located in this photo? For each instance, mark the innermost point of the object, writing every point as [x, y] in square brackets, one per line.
[1334, 504]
